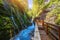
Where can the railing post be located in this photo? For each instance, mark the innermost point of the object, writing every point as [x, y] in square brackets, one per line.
[43, 23]
[59, 33]
[46, 28]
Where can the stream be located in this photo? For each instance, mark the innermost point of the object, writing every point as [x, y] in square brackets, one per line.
[25, 34]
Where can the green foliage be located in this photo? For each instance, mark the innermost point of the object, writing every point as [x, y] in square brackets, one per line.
[57, 21]
[39, 6]
[6, 22]
[20, 19]
[5, 26]
[11, 16]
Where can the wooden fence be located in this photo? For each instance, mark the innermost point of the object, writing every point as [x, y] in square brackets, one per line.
[52, 30]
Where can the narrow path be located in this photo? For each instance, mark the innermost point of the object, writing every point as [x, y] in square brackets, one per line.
[43, 34]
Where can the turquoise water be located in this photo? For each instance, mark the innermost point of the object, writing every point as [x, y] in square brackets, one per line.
[25, 34]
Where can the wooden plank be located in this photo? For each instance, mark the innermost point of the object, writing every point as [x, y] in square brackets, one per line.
[58, 26]
[53, 34]
[44, 36]
[59, 33]
[54, 28]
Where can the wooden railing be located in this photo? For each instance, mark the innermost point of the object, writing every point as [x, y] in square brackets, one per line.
[37, 35]
[52, 30]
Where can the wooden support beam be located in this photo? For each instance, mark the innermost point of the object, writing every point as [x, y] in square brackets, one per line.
[59, 33]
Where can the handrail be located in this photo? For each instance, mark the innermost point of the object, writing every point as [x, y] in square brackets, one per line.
[53, 24]
[37, 36]
[52, 27]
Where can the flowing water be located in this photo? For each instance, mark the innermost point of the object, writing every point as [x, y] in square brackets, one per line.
[25, 34]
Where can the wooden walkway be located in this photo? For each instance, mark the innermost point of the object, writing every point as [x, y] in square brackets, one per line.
[40, 34]
[43, 34]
